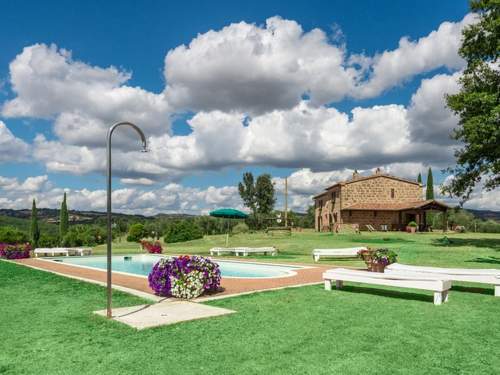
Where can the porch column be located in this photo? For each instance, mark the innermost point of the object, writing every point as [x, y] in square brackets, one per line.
[445, 220]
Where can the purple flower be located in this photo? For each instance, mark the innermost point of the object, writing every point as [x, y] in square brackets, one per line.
[179, 270]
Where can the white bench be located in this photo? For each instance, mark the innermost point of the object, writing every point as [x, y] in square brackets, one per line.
[244, 251]
[348, 252]
[439, 286]
[221, 250]
[66, 251]
[484, 276]
[255, 250]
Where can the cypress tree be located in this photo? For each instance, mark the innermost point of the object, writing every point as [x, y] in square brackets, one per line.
[419, 178]
[429, 192]
[63, 219]
[34, 230]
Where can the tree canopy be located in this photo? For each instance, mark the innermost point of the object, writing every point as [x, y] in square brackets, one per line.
[429, 191]
[34, 230]
[477, 105]
[63, 218]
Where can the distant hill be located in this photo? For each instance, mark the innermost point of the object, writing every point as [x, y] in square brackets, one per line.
[486, 214]
[51, 215]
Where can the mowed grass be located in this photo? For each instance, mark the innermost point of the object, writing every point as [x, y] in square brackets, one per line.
[474, 250]
[47, 325]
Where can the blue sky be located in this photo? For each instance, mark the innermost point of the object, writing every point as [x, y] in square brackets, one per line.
[135, 37]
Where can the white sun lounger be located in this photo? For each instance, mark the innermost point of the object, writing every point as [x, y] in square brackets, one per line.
[439, 286]
[347, 252]
[82, 250]
[52, 251]
[244, 251]
[484, 276]
[66, 251]
[221, 250]
[255, 250]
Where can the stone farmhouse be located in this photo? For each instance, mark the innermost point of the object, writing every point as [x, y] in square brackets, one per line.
[379, 202]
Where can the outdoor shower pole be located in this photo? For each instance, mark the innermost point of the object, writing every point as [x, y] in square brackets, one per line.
[108, 208]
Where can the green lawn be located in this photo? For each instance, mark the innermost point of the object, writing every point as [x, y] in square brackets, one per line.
[47, 325]
[474, 250]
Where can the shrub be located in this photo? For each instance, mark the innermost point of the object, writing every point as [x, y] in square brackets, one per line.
[412, 224]
[152, 247]
[240, 228]
[184, 277]
[181, 231]
[136, 233]
[48, 240]
[17, 251]
[12, 235]
[84, 235]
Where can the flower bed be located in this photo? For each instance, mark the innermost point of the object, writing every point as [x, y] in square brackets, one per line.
[152, 247]
[16, 251]
[184, 276]
[377, 259]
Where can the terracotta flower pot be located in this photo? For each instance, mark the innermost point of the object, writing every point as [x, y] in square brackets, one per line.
[377, 267]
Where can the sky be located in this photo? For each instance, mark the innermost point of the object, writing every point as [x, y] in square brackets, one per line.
[306, 90]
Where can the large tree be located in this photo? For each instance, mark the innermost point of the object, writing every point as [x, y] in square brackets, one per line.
[478, 104]
[247, 192]
[63, 218]
[264, 194]
[419, 178]
[429, 191]
[34, 229]
[257, 196]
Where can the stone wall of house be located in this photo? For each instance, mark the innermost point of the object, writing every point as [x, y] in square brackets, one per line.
[373, 218]
[327, 209]
[378, 190]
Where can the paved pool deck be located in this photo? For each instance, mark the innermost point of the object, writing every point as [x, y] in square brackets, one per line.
[229, 286]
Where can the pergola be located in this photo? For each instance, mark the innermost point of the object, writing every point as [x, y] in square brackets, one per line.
[420, 209]
[407, 211]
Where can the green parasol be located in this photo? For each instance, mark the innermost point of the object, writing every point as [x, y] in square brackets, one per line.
[228, 213]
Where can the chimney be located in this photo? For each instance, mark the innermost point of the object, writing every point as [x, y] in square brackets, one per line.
[355, 175]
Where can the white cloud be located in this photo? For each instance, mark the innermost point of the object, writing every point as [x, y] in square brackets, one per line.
[438, 49]
[11, 148]
[84, 100]
[247, 82]
[430, 120]
[29, 185]
[252, 68]
[169, 198]
[137, 181]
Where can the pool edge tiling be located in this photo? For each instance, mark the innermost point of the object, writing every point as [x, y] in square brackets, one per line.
[310, 274]
[141, 265]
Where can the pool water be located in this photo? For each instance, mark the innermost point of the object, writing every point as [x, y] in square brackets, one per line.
[142, 264]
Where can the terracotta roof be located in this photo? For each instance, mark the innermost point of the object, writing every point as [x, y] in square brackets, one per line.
[320, 194]
[395, 206]
[374, 176]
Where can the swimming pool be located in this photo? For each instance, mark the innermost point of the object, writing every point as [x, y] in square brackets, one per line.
[142, 264]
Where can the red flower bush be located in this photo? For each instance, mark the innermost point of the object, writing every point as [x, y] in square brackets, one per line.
[16, 251]
[152, 247]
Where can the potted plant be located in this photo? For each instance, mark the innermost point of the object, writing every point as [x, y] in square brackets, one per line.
[411, 227]
[377, 259]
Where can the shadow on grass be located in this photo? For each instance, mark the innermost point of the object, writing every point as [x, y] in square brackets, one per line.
[387, 293]
[382, 240]
[489, 260]
[491, 243]
[472, 289]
